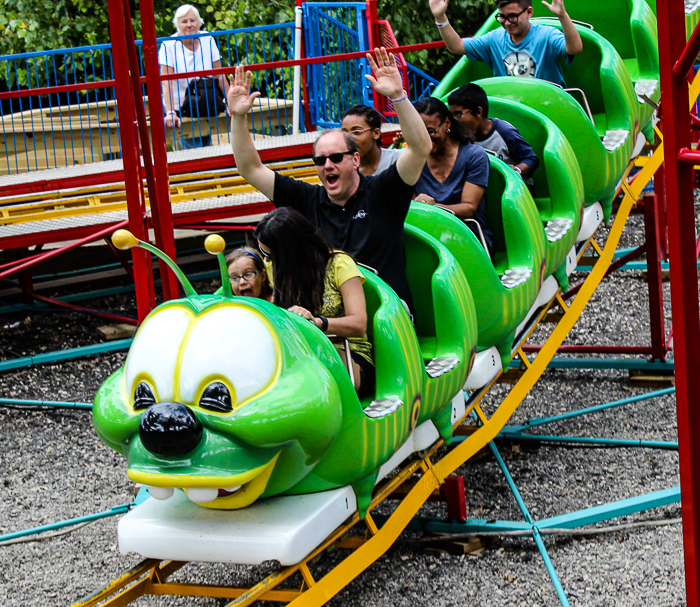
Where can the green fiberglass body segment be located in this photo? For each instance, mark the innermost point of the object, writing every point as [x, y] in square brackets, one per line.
[232, 400]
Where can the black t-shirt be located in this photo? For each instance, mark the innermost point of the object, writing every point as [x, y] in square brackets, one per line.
[370, 225]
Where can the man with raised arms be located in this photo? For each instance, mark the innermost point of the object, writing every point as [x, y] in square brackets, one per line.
[362, 216]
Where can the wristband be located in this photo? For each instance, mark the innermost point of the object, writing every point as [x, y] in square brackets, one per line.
[173, 112]
[324, 323]
[517, 170]
[445, 23]
[400, 99]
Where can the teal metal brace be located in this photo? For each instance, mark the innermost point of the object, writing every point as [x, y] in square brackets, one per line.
[540, 421]
[604, 363]
[45, 403]
[517, 435]
[571, 520]
[121, 509]
[50, 357]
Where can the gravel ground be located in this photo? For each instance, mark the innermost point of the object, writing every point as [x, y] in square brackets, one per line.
[54, 467]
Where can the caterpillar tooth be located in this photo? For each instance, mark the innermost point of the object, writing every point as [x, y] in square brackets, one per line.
[232, 489]
[161, 493]
[202, 495]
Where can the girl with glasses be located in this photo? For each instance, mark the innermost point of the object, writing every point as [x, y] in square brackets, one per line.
[248, 274]
[364, 124]
[319, 284]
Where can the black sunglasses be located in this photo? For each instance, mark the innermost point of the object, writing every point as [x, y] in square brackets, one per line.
[335, 158]
[510, 17]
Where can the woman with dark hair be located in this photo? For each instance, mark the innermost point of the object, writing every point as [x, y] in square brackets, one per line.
[322, 285]
[247, 274]
[457, 172]
[364, 124]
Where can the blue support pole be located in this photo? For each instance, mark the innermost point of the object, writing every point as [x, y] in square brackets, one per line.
[121, 509]
[45, 403]
[50, 357]
[604, 363]
[550, 567]
[596, 514]
[535, 532]
[518, 435]
[540, 421]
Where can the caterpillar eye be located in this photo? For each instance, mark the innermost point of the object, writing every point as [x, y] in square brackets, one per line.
[216, 397]
[143, 396]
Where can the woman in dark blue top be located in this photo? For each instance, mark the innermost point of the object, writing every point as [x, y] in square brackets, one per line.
[457, 171]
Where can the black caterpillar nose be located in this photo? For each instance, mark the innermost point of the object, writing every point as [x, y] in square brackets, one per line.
[170, 429]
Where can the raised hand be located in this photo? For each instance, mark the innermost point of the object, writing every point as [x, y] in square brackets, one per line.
[439, 8]
[387, 79]
[239, 98]
[556, 6]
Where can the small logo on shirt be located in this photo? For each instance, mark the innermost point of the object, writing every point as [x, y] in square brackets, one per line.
[520, 63]
[361, 214]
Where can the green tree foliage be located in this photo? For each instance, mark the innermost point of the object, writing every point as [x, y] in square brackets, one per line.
[36, 25]
[413, 23]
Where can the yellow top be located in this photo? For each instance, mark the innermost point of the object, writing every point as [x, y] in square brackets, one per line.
[339, 270]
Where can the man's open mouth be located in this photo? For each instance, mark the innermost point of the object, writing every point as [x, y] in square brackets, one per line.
[332, 179]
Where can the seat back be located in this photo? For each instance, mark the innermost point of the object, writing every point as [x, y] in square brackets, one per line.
[558, 183]
[397, 358]
[610, 19]
[442, 300]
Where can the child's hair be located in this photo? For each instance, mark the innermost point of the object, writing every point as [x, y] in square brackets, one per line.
[182, 11]
[372, 117]
[431, 106]
[521, 3]
[254, 255]
[299, 255]
[471, 97]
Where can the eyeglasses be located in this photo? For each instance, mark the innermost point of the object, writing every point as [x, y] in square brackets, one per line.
[510, 17]
[459, 113]
[357, 132]
[335, 158]
[433, 132]
[248, 277]
[265, 254]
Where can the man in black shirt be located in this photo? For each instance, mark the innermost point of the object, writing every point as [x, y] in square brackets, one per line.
[362, 216]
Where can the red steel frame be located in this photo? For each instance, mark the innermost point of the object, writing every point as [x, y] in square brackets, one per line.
[676, 60]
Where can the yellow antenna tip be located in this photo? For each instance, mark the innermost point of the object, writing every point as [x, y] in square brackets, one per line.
[214, 244]
[124, 240]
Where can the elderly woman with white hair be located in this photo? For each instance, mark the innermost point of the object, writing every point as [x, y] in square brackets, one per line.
[187, 55]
